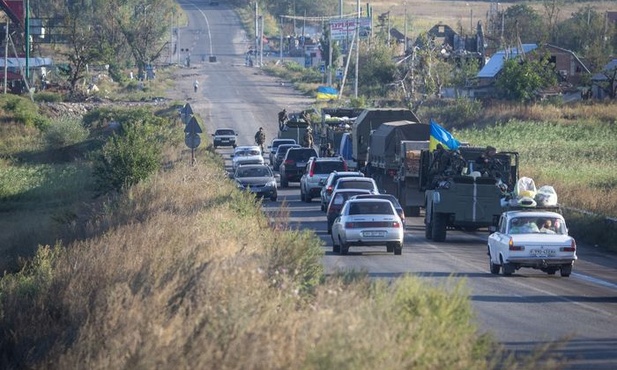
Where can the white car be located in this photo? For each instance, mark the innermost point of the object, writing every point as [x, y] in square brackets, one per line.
[531, 238]
[224, 137]
[247, 154]
[368, 222]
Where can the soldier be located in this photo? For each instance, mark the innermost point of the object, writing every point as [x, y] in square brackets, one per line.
[329, 150]
[283, 118]
[308, 138]
[260, 138]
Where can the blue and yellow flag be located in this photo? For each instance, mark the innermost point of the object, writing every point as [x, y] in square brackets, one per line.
[327, 93]
[439, 135]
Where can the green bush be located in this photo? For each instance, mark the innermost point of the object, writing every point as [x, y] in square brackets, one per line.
[128, 158]
[23, 111]
[65, 131]
[48, 97]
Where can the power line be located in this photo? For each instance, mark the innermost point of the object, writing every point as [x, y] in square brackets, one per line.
[318, 19]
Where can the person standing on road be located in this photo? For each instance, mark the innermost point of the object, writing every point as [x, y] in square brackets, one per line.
[260, 138]
[195, 85]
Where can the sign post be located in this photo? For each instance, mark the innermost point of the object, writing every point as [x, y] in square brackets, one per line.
[192, 139]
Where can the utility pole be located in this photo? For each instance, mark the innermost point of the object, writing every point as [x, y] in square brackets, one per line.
[261, 41]
[405, 28]
[281, 42]
[256, 28]
[6, 53]
[27, 26]
[355, 90]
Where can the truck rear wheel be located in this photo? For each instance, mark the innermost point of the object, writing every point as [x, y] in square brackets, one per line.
[428, 230]
[439, 227]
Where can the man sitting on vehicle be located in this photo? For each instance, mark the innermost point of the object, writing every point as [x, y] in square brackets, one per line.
[547, 227]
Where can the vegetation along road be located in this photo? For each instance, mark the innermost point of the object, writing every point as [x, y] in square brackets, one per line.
[577, 314]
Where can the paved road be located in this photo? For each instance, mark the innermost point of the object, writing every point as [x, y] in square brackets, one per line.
[523, 311]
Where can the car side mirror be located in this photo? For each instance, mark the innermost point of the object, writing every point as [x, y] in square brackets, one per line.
[277, 177]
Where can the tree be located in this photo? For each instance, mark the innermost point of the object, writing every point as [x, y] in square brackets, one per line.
[521, 79]
[610, 83]
[376, 70]
[522, 21]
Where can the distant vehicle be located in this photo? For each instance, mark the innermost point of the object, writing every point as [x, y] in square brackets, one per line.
[327, 185]
[224, 137]
[337, 201]
[280, 154]
[274, 146]
[294, 164]
[318, 169]
[257, 179]
[368, 222]
[397, 205]
[248, 154]
[531, 238]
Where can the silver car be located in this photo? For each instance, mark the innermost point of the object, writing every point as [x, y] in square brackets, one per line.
[368, 222]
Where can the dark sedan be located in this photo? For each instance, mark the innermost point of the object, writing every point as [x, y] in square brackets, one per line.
[257, 179]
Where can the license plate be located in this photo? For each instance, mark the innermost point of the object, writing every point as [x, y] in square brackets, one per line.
[374, 233]
[300, 164]
[542, 252]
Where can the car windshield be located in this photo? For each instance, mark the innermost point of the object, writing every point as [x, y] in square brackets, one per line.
[370, 208]
[224, 132]
[247, 152]
[537, 225]
[253, 172]
[327, 167]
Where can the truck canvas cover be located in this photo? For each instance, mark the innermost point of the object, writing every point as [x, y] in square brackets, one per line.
[371, 119]
[385, 141]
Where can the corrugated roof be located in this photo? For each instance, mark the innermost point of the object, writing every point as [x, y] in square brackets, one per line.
[494, 65]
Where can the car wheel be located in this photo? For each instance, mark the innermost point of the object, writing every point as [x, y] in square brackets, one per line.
[323, 208]
[329, 228]
[439, 227]
[495, 268]
[284, 182]
[301, 195]
[344, 248]
[307, 198]
[398, 249]
[506, 268]
[273, 197]
[565, 270]
[234, 146]
[389, 247]
[336, 248]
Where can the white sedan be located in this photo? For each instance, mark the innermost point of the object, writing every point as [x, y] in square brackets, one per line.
[247, 154]
[531, 238]
[368, 222]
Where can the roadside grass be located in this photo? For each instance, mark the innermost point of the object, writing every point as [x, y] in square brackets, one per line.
[186, 261]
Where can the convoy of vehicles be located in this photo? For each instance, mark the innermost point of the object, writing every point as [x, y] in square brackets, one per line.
[318, 169]
[327, 185]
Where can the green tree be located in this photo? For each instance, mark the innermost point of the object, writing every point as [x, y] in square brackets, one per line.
[376, 70]
[521, 79]
[522, 21]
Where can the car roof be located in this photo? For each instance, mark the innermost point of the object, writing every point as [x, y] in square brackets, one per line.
[354, 178]
[224, 129]
[328, 159]
[245, 147]
[388, 197]
[279, 140]
[362, 191]
[368, 200]
[539, 213]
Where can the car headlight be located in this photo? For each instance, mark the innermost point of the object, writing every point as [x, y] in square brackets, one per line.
[271, 184]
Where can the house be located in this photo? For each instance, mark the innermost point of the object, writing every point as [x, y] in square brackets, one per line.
[603, 82]
[570, 68]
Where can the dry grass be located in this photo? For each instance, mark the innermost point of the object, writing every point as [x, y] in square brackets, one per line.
[185, 272]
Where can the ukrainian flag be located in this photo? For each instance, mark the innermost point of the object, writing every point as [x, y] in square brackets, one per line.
[439, 135]
[327, 93]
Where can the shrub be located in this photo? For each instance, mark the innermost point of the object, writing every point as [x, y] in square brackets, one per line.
[48, 97]
[23, 111]
[65, 131]
[128, 158]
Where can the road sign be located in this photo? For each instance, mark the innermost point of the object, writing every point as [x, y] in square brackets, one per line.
[187, 109]
[192, 127]
[192, 140]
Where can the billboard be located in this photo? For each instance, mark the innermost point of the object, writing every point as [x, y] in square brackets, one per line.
[345, 28]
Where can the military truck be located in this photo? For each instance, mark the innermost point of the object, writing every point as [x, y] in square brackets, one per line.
[393, 161]
[295, 128]
[461, 193]
[336, 122]
[368, 121]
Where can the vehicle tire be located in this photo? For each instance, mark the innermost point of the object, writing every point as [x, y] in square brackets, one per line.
[234, 146]
[389, 247]
[301, 195]
[398, 249]
[495, 268]
[439, 227]
[506, 268]
[344, 248]
[323, 208]
[307, 198]
[565, 270]
[273, 197]
[336, 248]
[551, 270]
[284, 182]
[428, 230]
